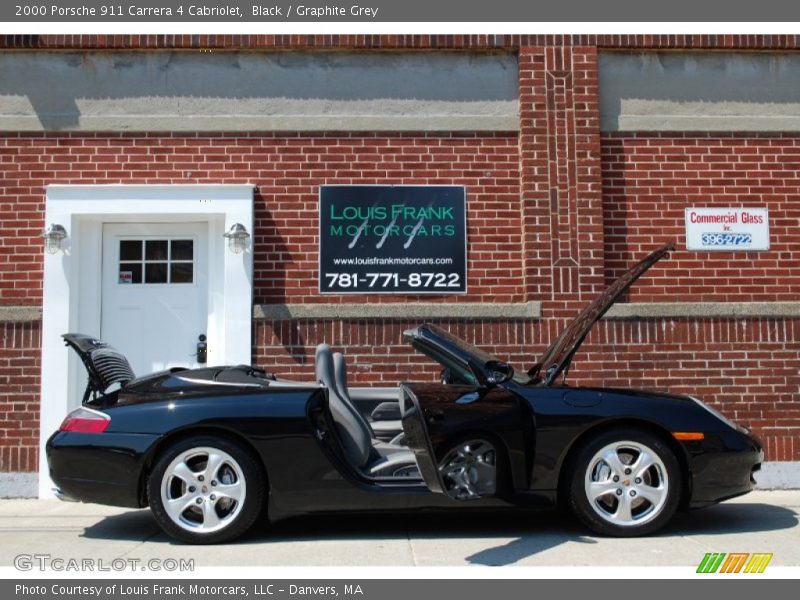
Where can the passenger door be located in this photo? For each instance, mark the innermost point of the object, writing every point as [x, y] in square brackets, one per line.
[466, 437]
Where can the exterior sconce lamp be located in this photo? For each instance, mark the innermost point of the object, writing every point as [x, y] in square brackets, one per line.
[53, 237]
[237, 238]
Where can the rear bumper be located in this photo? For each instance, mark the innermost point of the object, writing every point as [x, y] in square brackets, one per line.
[723, 466]
[101, 468]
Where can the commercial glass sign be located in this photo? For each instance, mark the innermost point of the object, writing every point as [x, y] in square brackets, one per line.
[392, 239]
[729, 229]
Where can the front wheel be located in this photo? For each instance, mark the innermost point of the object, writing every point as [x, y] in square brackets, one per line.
[206, 489]
[625, 483]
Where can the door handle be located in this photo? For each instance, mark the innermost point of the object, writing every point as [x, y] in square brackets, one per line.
[202, 350]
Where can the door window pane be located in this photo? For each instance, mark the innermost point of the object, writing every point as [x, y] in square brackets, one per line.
[130, 273]
[155, 250]
[182, 250]
[156, 261]
[155, 272]
[130, 250]
[181, 272]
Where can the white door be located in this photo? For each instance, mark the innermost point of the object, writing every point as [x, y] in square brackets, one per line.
[155, 292]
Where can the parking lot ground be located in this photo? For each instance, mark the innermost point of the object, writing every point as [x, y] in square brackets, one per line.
[763, 521]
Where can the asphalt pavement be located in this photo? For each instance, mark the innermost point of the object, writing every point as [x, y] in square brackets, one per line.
[763, 521]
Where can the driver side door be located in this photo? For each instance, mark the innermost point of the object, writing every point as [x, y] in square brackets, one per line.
[469, 441]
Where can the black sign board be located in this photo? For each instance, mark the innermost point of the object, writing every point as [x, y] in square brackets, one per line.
[392, 239]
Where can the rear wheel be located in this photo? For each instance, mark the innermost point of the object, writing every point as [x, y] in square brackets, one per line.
[206, 490]
[625, 483]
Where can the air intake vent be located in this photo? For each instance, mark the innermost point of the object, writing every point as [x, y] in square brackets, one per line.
[112, 367]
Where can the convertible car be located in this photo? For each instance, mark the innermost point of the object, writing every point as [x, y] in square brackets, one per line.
[212, 449]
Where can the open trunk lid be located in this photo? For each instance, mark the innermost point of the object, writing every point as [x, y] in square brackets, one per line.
[104, 364]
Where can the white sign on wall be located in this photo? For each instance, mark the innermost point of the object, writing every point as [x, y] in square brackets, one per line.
[727, 229]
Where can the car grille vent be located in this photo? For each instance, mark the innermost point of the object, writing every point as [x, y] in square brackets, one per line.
[111, 366]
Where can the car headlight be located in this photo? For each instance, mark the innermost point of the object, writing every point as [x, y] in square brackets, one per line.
[718, 415]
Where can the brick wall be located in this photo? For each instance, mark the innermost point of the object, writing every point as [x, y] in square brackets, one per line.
[648, 181]
[554, 213]
[287, 170]
[20, 368]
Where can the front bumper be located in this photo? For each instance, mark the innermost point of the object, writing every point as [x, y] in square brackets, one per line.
[103, 468]
[723, 466]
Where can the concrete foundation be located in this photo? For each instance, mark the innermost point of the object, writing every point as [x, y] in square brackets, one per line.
[19, 485]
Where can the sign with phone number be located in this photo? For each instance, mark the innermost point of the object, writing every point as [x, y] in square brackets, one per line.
[392, 239]
[731, 229]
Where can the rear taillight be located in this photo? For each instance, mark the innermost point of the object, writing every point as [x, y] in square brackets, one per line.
[85, 420]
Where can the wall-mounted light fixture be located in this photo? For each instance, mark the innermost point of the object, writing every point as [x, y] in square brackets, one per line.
[237, 238]
[54, 237]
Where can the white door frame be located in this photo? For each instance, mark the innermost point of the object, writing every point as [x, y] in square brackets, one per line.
[72, 278]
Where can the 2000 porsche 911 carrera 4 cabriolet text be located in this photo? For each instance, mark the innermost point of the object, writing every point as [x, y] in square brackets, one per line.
[211, 449]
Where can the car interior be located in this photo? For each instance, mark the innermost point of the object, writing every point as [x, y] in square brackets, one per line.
[367, 420]
[362, 446]
[379, 406]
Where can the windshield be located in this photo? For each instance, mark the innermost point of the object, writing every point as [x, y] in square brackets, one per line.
[481, 355]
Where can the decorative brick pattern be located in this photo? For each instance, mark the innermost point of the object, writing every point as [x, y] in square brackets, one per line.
[534, 193]
[573, 171]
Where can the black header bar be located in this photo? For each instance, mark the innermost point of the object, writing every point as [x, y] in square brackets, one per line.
[392, 11]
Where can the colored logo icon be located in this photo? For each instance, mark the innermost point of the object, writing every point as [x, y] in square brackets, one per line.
[734, 562]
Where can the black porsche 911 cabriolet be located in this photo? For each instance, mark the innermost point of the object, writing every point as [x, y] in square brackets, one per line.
[211, 449]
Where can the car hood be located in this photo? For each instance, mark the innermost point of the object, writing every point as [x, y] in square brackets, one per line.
[558, 356]
[639, 393]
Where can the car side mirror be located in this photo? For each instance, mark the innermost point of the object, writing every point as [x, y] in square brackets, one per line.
[498, 372]
[446, 376]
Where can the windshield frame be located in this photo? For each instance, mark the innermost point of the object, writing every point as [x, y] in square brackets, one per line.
[427, 335]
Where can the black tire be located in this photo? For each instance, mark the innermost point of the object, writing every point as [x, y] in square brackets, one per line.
[501, 477]
[249, 470]
[596, 514]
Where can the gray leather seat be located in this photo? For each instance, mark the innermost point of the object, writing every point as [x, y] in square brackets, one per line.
[364, 451]
[385, 429]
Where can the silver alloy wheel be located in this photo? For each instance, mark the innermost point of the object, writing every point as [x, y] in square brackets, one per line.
[469, 470]
[203, 489]
[626, 483]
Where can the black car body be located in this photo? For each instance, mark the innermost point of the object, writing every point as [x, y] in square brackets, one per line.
[483, 436]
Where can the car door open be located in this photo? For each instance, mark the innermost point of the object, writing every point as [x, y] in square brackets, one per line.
[462, 437]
